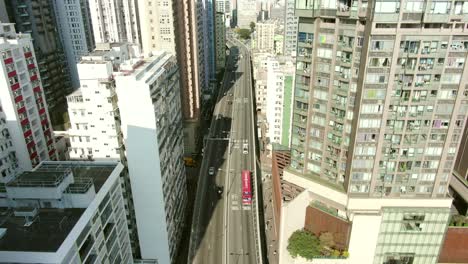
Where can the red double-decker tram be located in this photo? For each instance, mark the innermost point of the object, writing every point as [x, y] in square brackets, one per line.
[246, 187]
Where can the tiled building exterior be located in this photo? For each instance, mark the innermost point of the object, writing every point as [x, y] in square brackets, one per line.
[26, 135]
[379, 107]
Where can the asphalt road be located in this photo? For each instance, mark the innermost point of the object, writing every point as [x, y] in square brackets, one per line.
[223, 228]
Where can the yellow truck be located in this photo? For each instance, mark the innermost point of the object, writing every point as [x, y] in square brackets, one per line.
[190, 162]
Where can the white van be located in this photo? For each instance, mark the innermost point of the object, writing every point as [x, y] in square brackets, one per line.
[245, 148]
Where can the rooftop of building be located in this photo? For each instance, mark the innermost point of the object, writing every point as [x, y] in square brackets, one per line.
[39, 178]
[8, 32]
[46, 233]
[105, 52]
[81, 170]
[147, 67]
[32, 229]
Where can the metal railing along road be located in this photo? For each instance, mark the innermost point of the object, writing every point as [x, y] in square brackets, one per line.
[255, 217]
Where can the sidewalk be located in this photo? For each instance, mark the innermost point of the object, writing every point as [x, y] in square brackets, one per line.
[270, 224]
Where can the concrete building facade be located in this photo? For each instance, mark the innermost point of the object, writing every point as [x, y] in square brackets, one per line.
[26, 131]
[280, 76]
[290, 29]
[76, 33]
[220, 38]
[157, 26]
[246, 13]
[224, 6]
[65, 212]
[143, 128]
[265, 37]
[115, 21]
[37, 19]
[91, 108]
[379, 110]
[151, 123]
[95, 132]
[189, 60]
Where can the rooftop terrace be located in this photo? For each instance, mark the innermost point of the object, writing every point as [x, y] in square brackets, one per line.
[81, 170]
[46, 230]
[45, 234]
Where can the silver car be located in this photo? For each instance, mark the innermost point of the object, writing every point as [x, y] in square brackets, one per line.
[211, 171]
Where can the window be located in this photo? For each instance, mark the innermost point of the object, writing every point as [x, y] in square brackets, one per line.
[379, 62]
[382, 45]
[414, 6]
[451, 78]
[376, 78]
[399, 258]
[371, 109]
[361, 176]
[409, 46]
[328, 4]
[413, 222]
[305, 37]
[455, 62]
[313, 167]
[365, 150]
[320, 94]
[461, 8]
[359, 188]
[374, 94]
[324, 53]
[440, 8]
[369, 123]
[387, 7]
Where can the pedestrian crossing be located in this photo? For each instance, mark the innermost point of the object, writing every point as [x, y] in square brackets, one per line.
[236, 205]
[237, 143]
[244, 100]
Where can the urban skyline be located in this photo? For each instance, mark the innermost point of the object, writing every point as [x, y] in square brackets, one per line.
[233, 131]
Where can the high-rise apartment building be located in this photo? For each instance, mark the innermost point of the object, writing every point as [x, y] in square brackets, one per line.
[206, 42]
[91, 108]
[76, 33]
[129, 109]
[246, 13]
[157, 25]
[190, 65]
[379, 109]
[265, 37]
[224, 6]
[65, 212]
[280, 76]
[115, 21]
[151, 122]
[95, 132]
[203, 73]
[220, 38]
[37, 18]
[290, 29]
[26, 134]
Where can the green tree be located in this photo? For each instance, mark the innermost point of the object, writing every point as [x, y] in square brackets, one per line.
[244, 33]
[304, 244]
[252, 26]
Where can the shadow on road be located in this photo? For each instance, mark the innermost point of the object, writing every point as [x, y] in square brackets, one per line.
[216, 146]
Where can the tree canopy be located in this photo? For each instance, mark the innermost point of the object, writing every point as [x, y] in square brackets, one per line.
[244, 33]
[304, 244]
[252, 26]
